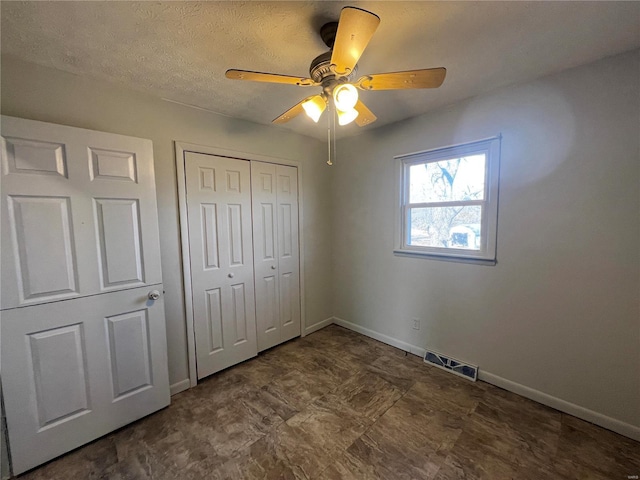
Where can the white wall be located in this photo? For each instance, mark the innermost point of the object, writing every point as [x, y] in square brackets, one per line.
[39, 93]
[560, 311]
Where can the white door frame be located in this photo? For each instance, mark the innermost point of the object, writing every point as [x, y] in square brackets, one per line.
[181, 148]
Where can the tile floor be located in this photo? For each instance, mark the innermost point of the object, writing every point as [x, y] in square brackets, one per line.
[338, 405]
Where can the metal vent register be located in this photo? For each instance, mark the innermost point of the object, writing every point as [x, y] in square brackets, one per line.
[452, 365]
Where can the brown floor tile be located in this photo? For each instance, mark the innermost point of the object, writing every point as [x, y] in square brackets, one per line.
[454, 395]
[410, 425]
[330, 423]
[88, 462]
[396, 370]
[585, 449]
[394, 456]
[368, 394]
[338, 405]
[347, 467]
[296, 390]
[264, 459]
[260, 371]
[484, 465]
[540, 437]
[287, 452]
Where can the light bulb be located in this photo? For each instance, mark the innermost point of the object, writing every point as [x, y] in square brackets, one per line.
[346, 117]
[314, 107]
[345, 97]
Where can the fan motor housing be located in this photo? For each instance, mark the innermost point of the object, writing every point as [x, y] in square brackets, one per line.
[320, 69]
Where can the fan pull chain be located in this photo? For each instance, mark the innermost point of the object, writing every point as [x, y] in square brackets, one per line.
[329, 116]
[333, 122]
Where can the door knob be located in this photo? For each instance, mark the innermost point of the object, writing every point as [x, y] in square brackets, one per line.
[273, 267]
[230, 275]
[154, 295]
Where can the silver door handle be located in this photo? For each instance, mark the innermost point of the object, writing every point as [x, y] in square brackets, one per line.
[153, 295]
[230, 275]
[273, 267]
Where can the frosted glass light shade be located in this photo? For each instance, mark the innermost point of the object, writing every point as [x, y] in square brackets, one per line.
[345, 97]
[346, 117]
[314, 107]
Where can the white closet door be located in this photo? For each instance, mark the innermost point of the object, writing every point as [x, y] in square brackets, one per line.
[288, 251]
[276, 252]
[83, 349]
[265, 252]
[221, 252]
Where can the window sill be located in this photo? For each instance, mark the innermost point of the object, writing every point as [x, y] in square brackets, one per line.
[445, 257]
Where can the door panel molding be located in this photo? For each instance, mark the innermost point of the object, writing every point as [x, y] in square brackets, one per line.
[47, 158]
[120, 241]
[214, 320]
[129, 352]
[66, 397]
[113, 165]
[43, 242]
[181, 149]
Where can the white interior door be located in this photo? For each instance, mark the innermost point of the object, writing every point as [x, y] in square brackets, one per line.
[83, 350]
[276, 252]
[221, 253]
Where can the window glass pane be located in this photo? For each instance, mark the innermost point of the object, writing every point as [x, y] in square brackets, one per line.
[448, 180]
[445, 227]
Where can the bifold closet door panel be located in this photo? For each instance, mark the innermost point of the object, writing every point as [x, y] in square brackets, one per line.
[265, 253]
[221, 252]
[276, 252]
[288, 251]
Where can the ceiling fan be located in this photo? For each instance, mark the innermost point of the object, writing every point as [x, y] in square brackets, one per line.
[336, 70]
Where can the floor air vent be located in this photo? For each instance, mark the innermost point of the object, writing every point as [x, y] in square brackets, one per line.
[470, 372]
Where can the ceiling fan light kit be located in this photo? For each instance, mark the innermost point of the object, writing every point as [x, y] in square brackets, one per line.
[345, 96]
[334, 71]
[345, 117]
[314, 107]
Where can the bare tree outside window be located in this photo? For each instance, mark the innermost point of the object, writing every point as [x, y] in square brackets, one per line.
[456, 180]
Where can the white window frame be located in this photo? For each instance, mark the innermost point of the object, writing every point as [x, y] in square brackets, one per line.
[489, 217]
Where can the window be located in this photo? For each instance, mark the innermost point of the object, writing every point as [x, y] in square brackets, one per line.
[448, 202]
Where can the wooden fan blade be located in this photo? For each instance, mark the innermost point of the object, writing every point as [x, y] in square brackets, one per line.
[269, 78]
[289, 114]
[426, 78]
[365, 116]
[355, 29]
[293, 112]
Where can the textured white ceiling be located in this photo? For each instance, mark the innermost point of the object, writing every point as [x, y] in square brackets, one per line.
[180, 50]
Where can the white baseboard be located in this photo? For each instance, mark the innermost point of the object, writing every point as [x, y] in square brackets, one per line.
[394, 342]
[180, 386]
[596, 418]
[317, 326]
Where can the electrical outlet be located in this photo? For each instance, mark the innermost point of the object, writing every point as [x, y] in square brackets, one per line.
[416, 323]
